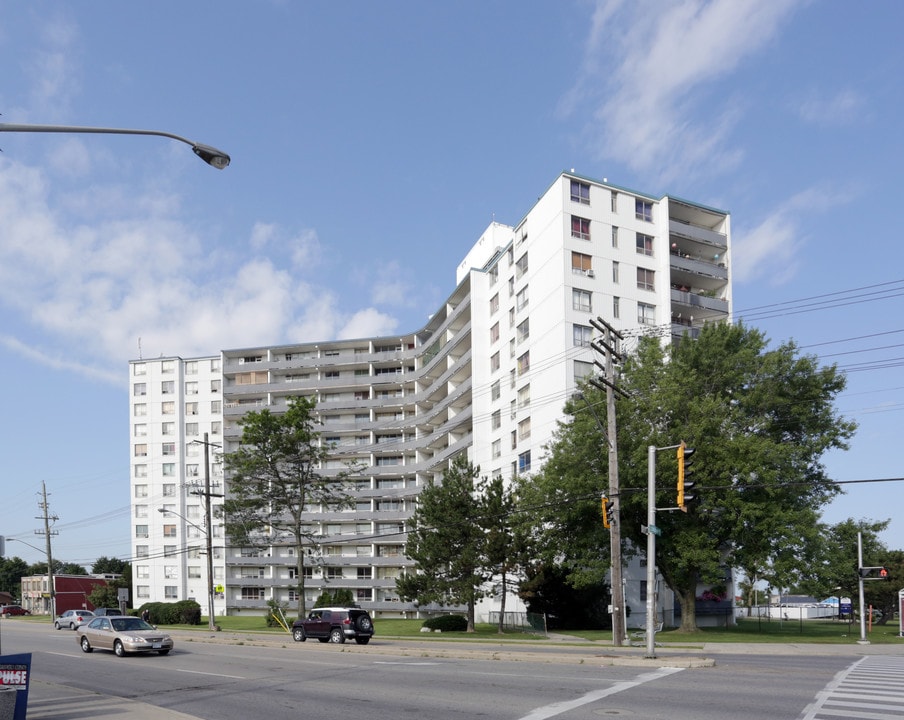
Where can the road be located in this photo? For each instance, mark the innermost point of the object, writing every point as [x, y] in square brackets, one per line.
[394, 679]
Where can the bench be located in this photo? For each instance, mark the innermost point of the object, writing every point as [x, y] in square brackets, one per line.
[638, 638]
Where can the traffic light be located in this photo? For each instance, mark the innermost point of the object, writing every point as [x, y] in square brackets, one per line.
[874, 573]
[608, 510]
[684, 473]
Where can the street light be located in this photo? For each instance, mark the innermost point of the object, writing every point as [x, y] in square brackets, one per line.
[210, 619]
[208, 153]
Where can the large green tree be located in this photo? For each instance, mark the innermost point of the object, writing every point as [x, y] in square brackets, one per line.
[106, 564]
[447, 542]
[760, 420]
[11, 572]
[274, 484]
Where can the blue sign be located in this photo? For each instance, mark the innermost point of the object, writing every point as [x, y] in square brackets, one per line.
[15, 672]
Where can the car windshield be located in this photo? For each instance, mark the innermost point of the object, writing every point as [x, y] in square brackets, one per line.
[130, 624]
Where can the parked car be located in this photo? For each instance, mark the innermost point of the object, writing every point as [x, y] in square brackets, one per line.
[106, 612]
[335, 625]
[123, 635]
[72, 619]
[13, 610]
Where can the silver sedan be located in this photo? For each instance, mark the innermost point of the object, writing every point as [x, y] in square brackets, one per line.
[123, 635]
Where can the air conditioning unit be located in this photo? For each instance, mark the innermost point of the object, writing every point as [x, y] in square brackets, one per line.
[590, 273]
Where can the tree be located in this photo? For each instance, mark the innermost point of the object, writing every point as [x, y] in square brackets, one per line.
[11, 572]
[446, 542]
[273, 480]
[104, 565]
[759, 420]
[504, 539]
[104, 596]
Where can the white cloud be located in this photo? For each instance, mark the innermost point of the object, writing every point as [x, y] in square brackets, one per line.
[772, 249]
[89, 282]
[842, 108]
[648, 67]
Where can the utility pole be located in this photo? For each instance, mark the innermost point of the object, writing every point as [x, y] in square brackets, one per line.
[607, 345]
[208, 524]
[47, 532]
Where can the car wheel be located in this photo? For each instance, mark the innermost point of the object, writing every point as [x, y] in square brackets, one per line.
[337, 635]
[163, 652]
[364, 624]
[72, 626]
[119, 649]
[298, 635]
[56, 626]
[362, 640]
[86, 646]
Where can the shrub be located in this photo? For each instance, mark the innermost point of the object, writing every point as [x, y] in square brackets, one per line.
[447, 623]
[184, 612]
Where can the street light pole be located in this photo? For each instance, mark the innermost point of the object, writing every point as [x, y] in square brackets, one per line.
[209, 154]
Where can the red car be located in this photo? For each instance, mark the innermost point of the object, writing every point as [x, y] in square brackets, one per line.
[11, 610]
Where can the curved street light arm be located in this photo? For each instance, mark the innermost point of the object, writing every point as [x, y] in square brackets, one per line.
[209, 154]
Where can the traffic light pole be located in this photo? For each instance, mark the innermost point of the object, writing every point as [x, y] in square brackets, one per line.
[862, 640]
[651, 551]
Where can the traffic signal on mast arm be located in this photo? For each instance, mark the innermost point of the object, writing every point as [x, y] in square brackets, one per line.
[685, 484]
[608, 510]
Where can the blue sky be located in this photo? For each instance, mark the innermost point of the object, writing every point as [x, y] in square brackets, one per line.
[371, 144]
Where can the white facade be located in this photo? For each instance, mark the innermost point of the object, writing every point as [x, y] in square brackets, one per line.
[173, 403]
[489, 374]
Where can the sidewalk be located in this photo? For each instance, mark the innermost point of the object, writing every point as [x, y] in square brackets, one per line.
[47, 700]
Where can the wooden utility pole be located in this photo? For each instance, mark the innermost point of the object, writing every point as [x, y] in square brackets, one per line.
[607, 345]
[47, 532]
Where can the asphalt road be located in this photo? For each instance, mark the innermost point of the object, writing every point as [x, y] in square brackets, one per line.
[394, 679]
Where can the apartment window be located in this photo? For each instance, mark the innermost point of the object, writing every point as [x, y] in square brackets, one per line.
[215, 386]
[141, 491]
[494, 362]
[494, 303]
[141, 409]
[582, 369]
[168, 408]
[580, 192]
[580, 228]
[613, 201]
[192, 470]
[614, 236]
[582, 334]
[523, 331]
[169, 531]
[191, 367]
[139, 389]
[191, 429]
[169, 448]
[170, 572]
[169, 489]
[524, 396]
[191, 388]
[143, 591]
[494, 391]
[514, 439]
[524, 429]
[494, 274]
[141, 531]
[215, 365]
[524, 363]
[142, 572]
[194, 572]
[511, 286]
[524, 462]
[169, 469]
[169, 551]
[644, 244]
[191, 408]
[168, 366]
[497, 448]
[167, 428]
[615, 272]
[141, 429]
[141, 450]
[215, 407]
[141, 471]
[615, 307]
[581, 300]
[645, 279]
[494, 333]
[496, 420]
[139, 369]
[521, 266]
[581, 264]
[643, 210]
[646, 314]
[168, 387]
[522, 299]
[216, 427]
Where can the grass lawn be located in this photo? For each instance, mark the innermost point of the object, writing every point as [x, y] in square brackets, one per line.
[746, 631]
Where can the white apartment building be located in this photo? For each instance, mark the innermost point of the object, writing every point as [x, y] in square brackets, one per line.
[488, 374]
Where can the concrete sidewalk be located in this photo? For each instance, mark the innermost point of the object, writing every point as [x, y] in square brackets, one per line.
[47, 700]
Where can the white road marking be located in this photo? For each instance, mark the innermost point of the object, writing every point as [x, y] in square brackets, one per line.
[558, 708]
